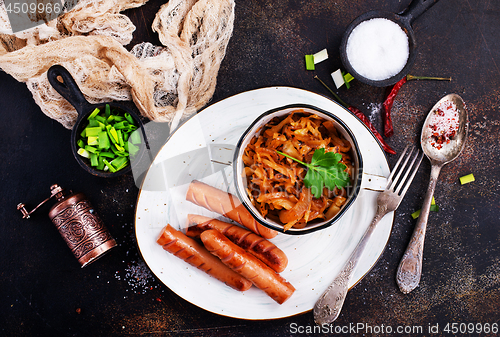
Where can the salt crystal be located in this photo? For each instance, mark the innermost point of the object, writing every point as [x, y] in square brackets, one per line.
[377, 49]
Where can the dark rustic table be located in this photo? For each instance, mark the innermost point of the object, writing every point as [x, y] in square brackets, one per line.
[43, 291]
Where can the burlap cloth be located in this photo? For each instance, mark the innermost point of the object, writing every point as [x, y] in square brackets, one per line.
[167, 83]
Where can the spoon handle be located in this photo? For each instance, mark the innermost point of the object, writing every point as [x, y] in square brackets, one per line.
[410, 267]
[327, 308]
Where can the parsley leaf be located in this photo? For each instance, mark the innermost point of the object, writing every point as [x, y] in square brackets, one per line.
[325, 169]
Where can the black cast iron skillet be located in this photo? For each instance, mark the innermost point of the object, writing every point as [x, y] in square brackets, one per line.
[405, 21]
[65, 85]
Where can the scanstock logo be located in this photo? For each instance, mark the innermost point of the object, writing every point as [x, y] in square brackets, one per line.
[26, 14]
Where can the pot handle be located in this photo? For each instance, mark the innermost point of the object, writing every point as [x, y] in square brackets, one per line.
[417, 8]
[67, 88]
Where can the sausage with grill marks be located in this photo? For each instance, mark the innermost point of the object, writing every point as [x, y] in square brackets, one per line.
[247, 265]
[252, 243]
[187, 249]
[227, 205]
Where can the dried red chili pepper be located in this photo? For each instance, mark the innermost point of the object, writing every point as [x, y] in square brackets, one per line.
[389, 101]
[370, 126]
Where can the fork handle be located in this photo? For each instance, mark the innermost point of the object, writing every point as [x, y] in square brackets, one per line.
[410, 267]
[328, 307]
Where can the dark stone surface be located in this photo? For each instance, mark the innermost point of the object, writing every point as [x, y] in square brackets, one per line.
[44, 292]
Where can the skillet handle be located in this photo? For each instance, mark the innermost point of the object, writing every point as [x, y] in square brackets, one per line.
[68, 88]
[417, 8]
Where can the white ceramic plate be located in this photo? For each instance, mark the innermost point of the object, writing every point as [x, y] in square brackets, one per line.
[201, 149]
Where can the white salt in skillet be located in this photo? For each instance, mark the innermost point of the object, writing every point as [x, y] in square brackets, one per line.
[393, 63]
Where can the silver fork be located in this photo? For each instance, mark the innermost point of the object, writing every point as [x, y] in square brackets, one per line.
[328, 306]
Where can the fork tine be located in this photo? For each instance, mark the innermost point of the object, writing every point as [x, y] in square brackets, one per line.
[394, 169]
[407, 171]
[401, 169]
[408, 183]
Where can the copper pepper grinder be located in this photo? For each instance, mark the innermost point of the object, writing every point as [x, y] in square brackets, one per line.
[78, 224]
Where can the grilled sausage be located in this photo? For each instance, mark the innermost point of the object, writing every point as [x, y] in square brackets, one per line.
[247, 265]
[187, 249]
[252, 243]
[227, 205]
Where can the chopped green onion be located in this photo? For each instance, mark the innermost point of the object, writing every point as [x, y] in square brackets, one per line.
[109, 166]
[94, 113]
[119, 163]
[107, 111]
[84, 153]
[120, 137]
[309, 62]
[121, 125]
[94, 161]
[135, 138]
[91, 149]
[320, 56]
[434, 208]
[129, 118]
[103, 140]
[100, 164]
[101, 119]
[113, 134]
[347, 78]
[467, 179]
[132, 149]
[108, 154]
[92, 131]
[92, 140]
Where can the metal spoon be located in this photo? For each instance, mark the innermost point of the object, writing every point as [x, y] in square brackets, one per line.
[410, 267]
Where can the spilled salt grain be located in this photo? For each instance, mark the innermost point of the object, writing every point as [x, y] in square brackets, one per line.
[377, 49]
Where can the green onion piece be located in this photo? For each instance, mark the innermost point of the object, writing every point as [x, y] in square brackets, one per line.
[129, 118]
[92, 132]
[94, 161]
[119, 163]
[119, 148]
[107, 111]
[93, 123]
[135, 138]
[109, 166]
[94, 113]
[467, 179]
[132, 149]
[347, 78]
[101, 119]
[309, 62]
[121, 125]
[83, 133]
[103, 140]
[434, 208]
[92, 141]
[100, 163]
[113, 133]
[80, 143]
[84, 153]
[108, 155]
[120, 137]
[91, 149]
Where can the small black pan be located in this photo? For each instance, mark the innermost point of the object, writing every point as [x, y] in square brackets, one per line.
[405, 21]
[65, 85]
